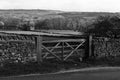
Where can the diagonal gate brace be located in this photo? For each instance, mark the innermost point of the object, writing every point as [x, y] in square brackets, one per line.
[51, 52]
[73, 51]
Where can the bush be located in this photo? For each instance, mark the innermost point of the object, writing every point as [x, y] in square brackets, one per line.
[106, 26]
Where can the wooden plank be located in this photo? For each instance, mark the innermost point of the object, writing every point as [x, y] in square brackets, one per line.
[59, 52]
[37, 33]
[17, 41]
[39, 48]
[52, 57]
[69, 40]
[57, 47]
[62, 51]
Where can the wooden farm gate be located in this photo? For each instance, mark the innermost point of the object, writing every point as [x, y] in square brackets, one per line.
[63, 49]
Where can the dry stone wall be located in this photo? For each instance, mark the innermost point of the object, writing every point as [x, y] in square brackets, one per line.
[17, 52]
[104, 47]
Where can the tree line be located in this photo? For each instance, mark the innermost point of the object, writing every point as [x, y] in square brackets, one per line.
[102, 25]
[106, 26]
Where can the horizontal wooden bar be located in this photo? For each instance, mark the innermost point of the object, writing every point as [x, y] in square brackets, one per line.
[61, 46]
[65, 51]
[40, 33]
[66, 40]
[17, 41]
[52, 57]
[52, 41]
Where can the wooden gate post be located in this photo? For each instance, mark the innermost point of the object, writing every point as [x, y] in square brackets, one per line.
[39, 48]
[62, 51]
[90, 45]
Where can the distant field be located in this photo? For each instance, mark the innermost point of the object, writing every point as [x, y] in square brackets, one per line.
[49, 13]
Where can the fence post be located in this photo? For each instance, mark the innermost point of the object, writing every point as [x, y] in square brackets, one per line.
[90, 45]
[39, 48]
[62, 51]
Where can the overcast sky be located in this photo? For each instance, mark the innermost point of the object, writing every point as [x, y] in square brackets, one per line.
[65, 5]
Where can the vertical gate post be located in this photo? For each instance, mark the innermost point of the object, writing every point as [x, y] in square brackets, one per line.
[62, 51]
[90, 45]
[39, 48]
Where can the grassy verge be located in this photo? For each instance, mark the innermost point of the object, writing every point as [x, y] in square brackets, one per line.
[53, 66]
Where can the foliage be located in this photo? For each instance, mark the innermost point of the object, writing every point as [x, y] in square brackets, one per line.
[11, 23]
[53, 23]
[73, 23]
[106, 25]
[66, 21]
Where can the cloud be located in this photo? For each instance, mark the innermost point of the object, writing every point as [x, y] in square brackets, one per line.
[4, 4]
[67, 5]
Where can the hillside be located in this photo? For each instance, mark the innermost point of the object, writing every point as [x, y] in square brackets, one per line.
[48, 13]
[29, 13]
[49, 19]
[85, 14]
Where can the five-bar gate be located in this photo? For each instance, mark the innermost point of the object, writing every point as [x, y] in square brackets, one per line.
[60, 49]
